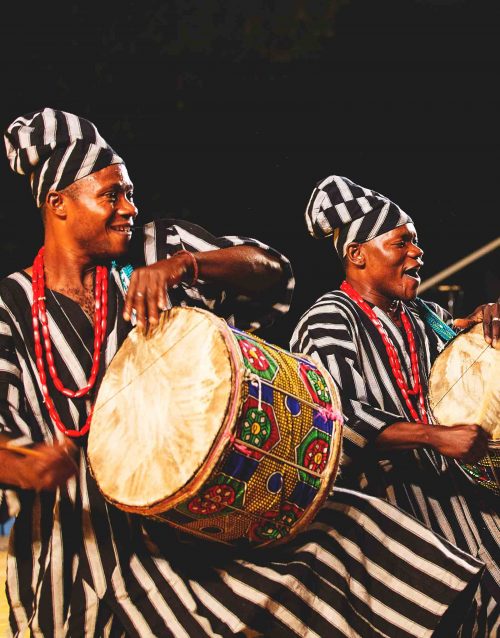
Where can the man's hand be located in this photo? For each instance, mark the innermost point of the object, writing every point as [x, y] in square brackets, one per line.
[467, 443]
[42, 467]
[489, 314]
[147, 291]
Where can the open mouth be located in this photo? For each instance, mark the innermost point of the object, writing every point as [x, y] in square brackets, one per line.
[413, 273]
[125, 229]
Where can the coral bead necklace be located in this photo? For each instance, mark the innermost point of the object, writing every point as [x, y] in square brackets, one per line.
[406, 391]
[40, 324]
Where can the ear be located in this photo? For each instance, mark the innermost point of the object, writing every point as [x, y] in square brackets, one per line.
[355, 255]
[54, 204]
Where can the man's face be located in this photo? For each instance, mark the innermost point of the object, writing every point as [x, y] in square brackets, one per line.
[100, 212]
[393, 261]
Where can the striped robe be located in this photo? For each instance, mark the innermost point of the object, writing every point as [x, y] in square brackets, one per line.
[420, 481]
[78, 566]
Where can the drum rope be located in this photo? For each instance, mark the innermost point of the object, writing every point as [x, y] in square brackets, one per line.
[326, 412]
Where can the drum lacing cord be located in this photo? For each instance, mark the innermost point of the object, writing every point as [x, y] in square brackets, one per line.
[256, 381]
[326, 412]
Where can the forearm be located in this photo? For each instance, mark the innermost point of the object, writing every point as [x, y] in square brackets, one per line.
[467, 442]
[404, 435]
[245, 269]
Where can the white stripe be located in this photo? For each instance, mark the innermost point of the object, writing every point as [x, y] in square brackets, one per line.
[380, 220]
[50, 127]
[150, 243]
[183, 593]
[56, 570]
[224, 614]
[364, 204]
[155, 598]
[61, 167]
[88, 162]
[89, 539]
[472, 565]
[41, 180]
[344, 189]
[352, 232]
[263, 600]
[343, 212]
[74, 128]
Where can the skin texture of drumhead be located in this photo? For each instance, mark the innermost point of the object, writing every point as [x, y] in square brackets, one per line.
[159, 409]
[464, 384]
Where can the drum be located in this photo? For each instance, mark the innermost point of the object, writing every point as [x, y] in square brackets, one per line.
[464, 387]
[215, 432]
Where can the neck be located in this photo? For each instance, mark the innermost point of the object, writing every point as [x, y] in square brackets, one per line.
[374, 296]
[66, 268]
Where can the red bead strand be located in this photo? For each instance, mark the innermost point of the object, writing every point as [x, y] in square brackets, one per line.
[40, 322]
[407, 391]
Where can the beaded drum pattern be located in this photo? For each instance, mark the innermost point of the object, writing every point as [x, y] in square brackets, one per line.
[464, 388]
[247, 443]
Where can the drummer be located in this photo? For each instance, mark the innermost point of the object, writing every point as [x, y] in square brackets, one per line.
[79, 566]
[378, 340]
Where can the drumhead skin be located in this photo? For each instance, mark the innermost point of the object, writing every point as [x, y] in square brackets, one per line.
[464, 384]
[216, 432]
[159, 409]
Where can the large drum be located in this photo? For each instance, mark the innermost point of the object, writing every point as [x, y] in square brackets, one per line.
[464, 387]
[215, 432]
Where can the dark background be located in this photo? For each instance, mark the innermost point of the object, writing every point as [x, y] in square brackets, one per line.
[228, 113]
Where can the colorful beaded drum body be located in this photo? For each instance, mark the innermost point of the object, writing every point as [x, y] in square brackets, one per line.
[215, 432]
[464, 387]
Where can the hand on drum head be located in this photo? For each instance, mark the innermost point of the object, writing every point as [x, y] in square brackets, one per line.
[467, 443]
[147, 293]
[489, 314]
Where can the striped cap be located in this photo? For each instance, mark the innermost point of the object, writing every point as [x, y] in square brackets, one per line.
[55, 149]
[350, 213]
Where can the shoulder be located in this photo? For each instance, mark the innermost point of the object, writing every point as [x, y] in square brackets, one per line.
[15, 285]
[333, 307]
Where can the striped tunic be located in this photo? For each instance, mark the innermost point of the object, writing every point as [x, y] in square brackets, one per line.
[78, 566]
[420, 481]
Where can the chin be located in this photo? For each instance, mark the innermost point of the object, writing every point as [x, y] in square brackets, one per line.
[410, 295]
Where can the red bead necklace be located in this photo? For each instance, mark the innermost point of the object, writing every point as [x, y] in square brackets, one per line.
[406, 391]
[39, 317]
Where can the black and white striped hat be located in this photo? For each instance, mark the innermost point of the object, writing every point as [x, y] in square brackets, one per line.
[350, 213]
[55, 149]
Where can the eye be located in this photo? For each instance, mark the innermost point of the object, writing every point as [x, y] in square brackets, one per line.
[130, 196]
[112, 196]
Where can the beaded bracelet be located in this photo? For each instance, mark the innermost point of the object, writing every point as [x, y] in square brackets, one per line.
[195, 265]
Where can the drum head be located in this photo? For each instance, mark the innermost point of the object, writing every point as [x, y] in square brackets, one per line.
[464, 383]
[160, 409]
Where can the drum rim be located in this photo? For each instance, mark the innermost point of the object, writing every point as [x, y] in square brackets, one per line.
[492, 443]
[223, 439]
[219, 444]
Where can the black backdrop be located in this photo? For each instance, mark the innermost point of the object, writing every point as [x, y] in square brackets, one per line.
[228, 113]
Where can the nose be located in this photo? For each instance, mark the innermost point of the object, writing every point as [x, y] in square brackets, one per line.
[416, 252]
[127, 208]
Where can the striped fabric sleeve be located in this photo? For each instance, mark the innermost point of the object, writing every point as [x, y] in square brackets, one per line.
[11, 422]
[11, 390]
[325, 334]
[165, 237]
